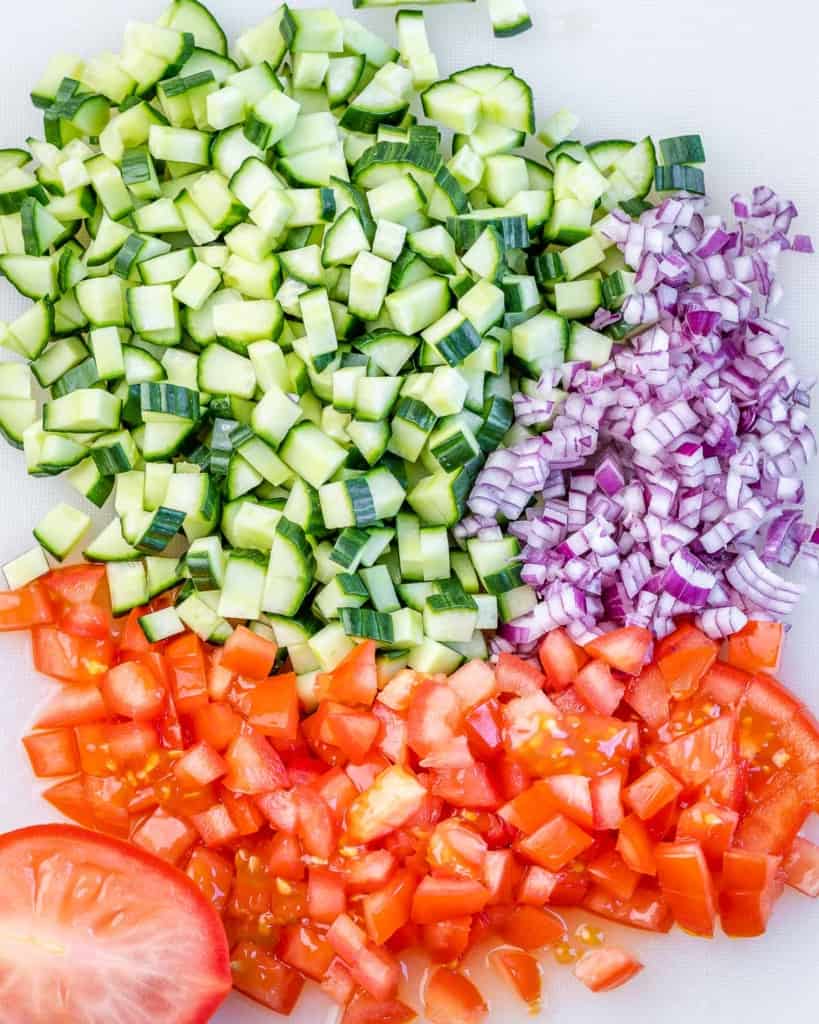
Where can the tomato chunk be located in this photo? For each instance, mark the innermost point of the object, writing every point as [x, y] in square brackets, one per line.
[625, 649]
[529, 927]
[748, 891]
[561, 659]
[684, 657]
[555, 843]
[355, 679]
[711, 826]
[603, 969]
[520, 971]
[389, 909]
[25, 608]
[133, 691]
[74, 659]
[802, 867]
[272, 707]
[598, 688]
[248, 654]
[696, 756]
[53, 753]
[653, 791]
[437, 899]
[687, 886]
[451, 998]
[756, 647]
[394, 797]
[260, 975]
[646, 909]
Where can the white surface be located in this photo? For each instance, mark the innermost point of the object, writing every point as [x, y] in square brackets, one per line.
[742, 72]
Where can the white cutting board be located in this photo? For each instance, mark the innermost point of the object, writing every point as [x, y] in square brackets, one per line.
[741, 72]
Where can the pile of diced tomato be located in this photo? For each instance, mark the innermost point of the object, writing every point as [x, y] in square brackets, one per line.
[335, 830]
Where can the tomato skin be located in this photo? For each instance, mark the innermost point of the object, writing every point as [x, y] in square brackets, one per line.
[474, 683]
[91, 620]
[687, 886]
[520, 971]
[326, 895]
[607, 805]
[451, 998]
[802, 867]
[646, 909]
[756, 647]
[132, 690]
[302, 947]
[602, 970]
[773, 823]
[72, 659]
[624, 649]
[25, 608]
[133, 637]
[52, 753]
[247, 818]
[437, 899]
[186, 662]
[68, 797]
[75, 584]
[484, 730]
[217, 725]
[748, 891]
[561, 659]
[371, 967]
[248, 654]
[555, 843]
[365, 1010]
[264, 978]
[456, 850]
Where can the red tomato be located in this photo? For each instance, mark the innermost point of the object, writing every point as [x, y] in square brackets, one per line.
[365, 1010]
[500, 874]
[186, 663]
[625, 649]
[389, 909]
[253, 765]
[52, 753]
[474, 683]
[648, 695]
[607, 805]
[284, 859]
[529, 809]
[199, 766]
[447, 941]
[72, 705]
[756, 648]
[369, 871]
[326, 895]
[773, 823]
[687, 885]
[354, 680]
[217, 724]
[451, 998]
[598, 688]
[606, 968]
[215, 825]
[612, 873]
[437, 899]
[456, 849]
[471, 787]
[316, 824]
[263, 977]
[520, 971]
[561, 659]
[651, 792]
[371, 967]
[514, 675]
[75, 584]
[646, 909]
[131, 743]
[86, 620]
[247, 818]
[684, 657]
[529, 927]
[338, 983]
[352, 730]
[248, 654]
[302, 947]
[133, 637]
[166, 836]
[802, 867]
[74, 659]
[484, 730]
[572, 795]
[394, 797]
[698, 755]
[272, 707]
[555, 843]
[69, 798]
[635, 847]
[25, 608]
[433, 719]
[711, 826]
[132, 690]
[213, 875]
[748, 891]
[147, 946]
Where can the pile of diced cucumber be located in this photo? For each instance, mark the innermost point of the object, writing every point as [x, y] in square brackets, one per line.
[284, 329]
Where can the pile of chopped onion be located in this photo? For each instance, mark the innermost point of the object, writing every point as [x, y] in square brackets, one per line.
[671, 480]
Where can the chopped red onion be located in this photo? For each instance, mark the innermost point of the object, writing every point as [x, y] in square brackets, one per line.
[668, 471]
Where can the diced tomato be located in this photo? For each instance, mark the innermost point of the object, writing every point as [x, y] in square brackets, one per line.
[69, 799]
[437, 899]
[635, 846]
[598, 688]
[53, 753]
[802, 867]
[606, 968]
[247, 818]
[326, 895]
[131, 743]
[724, 685]
[696, 756]
[215, 826]
[729, 787]
[451, 998]
[472, 788]
[539, 886]
[520, 971]
[651, 792]
[369, 871]
[474, 683]
[756, 647]
[500, 874]
[684, 657]
[392, 737]
[199, 766]
[90, 620]
[74, 584]
[166, 836]
[389, 909]
[338, 983]
[72, 705]
[74, 659]
[772, 824]
[529, 809]
[260, 975]
[108, 799]
[365, 1010]
[271, 706]
[217, 724]
[561, 659]
[648, 695]
[25, 608]
[371, 967]
[284, 859]
[94, 750]
[529, 927]
[186, 662]
[555, 843]
[687, 886]
[132, 690]
[433, 718]
[570, 702]
[133, 637]
[709, 825]
[447, 941]
[352, 730]
[646, 909]
[612, 873]
[572, 795]
[337, 790]
[484, 730]
[316, 824]
[354, 680]
[253, 765]
[624, 649]
[213, 874]
[302, 947]
[248, 654]
[514, 675]
[606, 796]
[394, 797]
[456, 849]
[748, 891]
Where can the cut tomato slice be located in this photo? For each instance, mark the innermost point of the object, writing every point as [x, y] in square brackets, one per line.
[451, 998]
[756, 648]
[102, 925]
[604, 969]
[687, 886]
[561, 659]
[684, 657]
[802, 867]
[625, 649]
[74, 659]
[520, 971]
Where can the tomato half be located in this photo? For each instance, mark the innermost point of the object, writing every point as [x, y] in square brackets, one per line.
[147, 946]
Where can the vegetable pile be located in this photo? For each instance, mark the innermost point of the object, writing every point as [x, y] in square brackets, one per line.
[396, 811]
